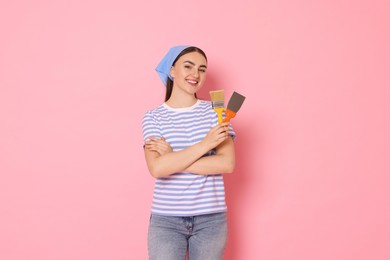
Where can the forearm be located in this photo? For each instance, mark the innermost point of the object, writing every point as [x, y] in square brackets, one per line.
[211, 165]
[222, 162]
[173, 162]
[162, 162]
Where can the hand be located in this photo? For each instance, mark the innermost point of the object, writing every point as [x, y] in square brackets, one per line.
[159, 145]
[216, 135]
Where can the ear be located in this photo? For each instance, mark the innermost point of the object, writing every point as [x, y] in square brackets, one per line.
[172, 72]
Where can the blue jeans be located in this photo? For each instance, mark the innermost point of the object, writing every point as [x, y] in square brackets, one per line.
[204, 237]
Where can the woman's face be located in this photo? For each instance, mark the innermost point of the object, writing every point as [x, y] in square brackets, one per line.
[189, 72]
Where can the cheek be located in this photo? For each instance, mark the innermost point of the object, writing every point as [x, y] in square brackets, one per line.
[202, 81]
[204, 77]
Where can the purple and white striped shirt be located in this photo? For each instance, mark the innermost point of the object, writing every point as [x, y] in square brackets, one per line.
[185, 193]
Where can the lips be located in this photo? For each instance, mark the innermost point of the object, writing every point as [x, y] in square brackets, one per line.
[192, 82]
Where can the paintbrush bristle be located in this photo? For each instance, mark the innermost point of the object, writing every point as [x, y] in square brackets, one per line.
[218, 98]
[235, 102]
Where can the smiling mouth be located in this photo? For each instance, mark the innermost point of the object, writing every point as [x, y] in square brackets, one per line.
[192, 82]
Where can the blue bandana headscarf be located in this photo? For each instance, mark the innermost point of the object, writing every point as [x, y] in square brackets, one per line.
[164, 67]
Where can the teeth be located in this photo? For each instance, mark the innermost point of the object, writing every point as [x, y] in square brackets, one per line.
[192, 81]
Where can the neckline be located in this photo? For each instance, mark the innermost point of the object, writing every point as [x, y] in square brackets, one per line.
[181, 108]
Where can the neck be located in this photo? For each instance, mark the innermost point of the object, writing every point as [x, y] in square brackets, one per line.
[181, 99]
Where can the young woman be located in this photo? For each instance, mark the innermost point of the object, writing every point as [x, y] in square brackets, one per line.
[187, 151]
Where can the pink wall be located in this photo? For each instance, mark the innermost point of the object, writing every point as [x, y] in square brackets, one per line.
[312, 172]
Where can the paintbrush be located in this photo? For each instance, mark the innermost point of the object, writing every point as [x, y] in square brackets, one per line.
[218, 102]
[233, 106]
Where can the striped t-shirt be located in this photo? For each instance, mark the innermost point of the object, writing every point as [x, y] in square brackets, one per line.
[185, 193]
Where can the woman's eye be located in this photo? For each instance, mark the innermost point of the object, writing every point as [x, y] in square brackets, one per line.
[187, 67]
[202, 70]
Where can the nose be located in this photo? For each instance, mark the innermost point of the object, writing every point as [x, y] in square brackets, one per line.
[195, 73]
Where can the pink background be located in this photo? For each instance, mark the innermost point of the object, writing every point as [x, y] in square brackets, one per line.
[312, 174]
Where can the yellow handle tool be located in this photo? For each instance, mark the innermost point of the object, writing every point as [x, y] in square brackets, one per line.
[219, 111]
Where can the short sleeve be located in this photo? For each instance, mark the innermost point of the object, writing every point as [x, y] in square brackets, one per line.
[150, 126]
[231, 132]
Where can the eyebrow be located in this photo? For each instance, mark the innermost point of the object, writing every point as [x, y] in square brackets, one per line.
[190, 62]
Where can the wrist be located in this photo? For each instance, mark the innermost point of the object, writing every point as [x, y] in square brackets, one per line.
[204, 146]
